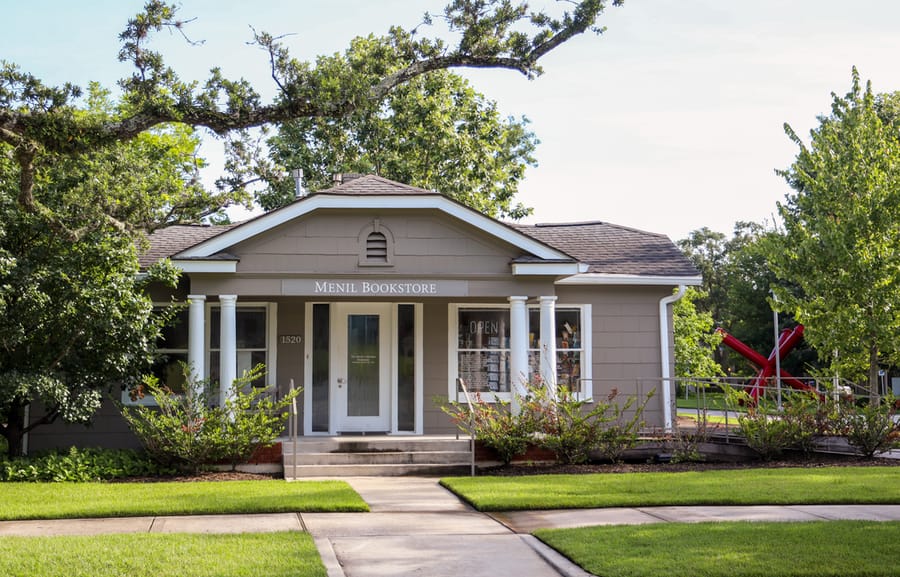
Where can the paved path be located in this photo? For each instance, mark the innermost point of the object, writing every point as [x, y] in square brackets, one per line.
[416, 527]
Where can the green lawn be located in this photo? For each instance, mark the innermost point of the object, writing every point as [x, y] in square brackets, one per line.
[74, 500]
[712, 401]
[289, 554]
[810, 549]
[827, 485]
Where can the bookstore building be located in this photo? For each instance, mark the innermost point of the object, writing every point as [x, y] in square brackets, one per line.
[377, 298]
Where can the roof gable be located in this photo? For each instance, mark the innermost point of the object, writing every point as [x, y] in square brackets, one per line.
[372, 192]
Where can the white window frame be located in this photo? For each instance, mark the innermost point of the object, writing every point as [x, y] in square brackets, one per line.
[271, 348]
[586, 392]
[150, 400]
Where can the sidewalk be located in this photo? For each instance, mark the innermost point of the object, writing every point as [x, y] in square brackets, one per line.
[416, 527]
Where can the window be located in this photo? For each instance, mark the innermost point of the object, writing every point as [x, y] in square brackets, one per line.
[569, 346]
[481, 356]
[172, 346]
[483, 349]
[251, 340]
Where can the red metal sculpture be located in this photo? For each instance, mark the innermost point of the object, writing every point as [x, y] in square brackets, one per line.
[787, 340]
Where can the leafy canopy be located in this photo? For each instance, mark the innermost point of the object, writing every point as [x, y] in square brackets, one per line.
[434, 132]
[841, 245]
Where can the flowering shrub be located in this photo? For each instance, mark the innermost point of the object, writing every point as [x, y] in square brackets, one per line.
[570, 427]
[187, 431]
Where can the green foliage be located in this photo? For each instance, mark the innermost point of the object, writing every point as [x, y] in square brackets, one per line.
[80, 465]
[571, 427]
[574, 428]
[187, 432]
[695, 338]
[762, 427]
[494, 424]
[870, 427]
[435, 132]
[840, 246]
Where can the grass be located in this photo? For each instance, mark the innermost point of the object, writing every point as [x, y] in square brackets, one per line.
[820, 549]
[289, 554]
[789, 486]
[714, 419]
[712, 401]
[77, 500]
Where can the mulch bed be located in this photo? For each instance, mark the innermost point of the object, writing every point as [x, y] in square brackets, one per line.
[203, 476]
[821, 460]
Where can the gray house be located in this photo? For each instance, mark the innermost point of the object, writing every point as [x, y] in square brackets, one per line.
[374, 297]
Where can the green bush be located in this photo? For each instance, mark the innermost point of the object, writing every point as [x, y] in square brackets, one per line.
[493, 424]
[80, 465]
[573, 429]
[187, 432]
[870, 427]
[762, 425]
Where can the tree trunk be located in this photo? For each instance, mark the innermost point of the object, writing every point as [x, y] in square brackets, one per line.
[873, 371]
[14, 431]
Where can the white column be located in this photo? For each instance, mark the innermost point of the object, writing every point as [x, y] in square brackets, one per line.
[548, 343]
[227, 345]
[518, 348]
[197, 339]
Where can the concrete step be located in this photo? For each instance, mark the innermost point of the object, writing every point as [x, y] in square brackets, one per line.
[389, 470]
[379, 458]
[374, 444]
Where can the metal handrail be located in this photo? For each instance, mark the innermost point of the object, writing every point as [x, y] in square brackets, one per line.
[461, 384]
[293, 424]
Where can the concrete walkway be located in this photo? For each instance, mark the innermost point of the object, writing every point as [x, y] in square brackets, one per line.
[416, 527]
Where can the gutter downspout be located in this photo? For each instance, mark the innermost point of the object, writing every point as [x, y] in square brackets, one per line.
[665, 356]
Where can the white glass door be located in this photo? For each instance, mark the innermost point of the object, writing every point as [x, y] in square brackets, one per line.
[361, 367]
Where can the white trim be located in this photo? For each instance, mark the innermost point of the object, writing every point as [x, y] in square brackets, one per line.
[587, 346]
[394, 377]
[319, 201]
[547, 268]
[272, 344]
[418, 311]
[220, 266]
[307, 371]
[594, 278]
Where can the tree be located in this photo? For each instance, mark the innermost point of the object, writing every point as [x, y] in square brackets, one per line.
[695, 339]
[36, 119]
[841, 245]
[74, 320]
[435, 132]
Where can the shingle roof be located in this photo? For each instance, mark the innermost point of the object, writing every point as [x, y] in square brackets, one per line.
[171, 240]
[606, 248]
[613, 249]
[371, 184]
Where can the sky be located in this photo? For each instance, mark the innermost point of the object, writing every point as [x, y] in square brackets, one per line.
[669, 121]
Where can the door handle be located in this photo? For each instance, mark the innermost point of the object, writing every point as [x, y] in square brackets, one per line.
[341, 381]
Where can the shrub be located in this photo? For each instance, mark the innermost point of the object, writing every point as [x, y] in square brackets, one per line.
[807, 417]
[187, 432]
[493, 424]
[685, 443]
[762, 426]
[870, 427]
[80, 465]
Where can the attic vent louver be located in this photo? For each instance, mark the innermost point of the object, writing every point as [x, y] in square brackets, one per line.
[376, 247]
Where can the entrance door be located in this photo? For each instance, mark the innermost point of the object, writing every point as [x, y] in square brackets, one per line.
[361, 367]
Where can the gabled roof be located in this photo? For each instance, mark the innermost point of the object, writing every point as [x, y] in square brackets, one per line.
[371, 192]
[605, 253]
[612, 249]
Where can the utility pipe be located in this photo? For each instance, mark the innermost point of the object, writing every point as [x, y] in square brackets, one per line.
[665, 356]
